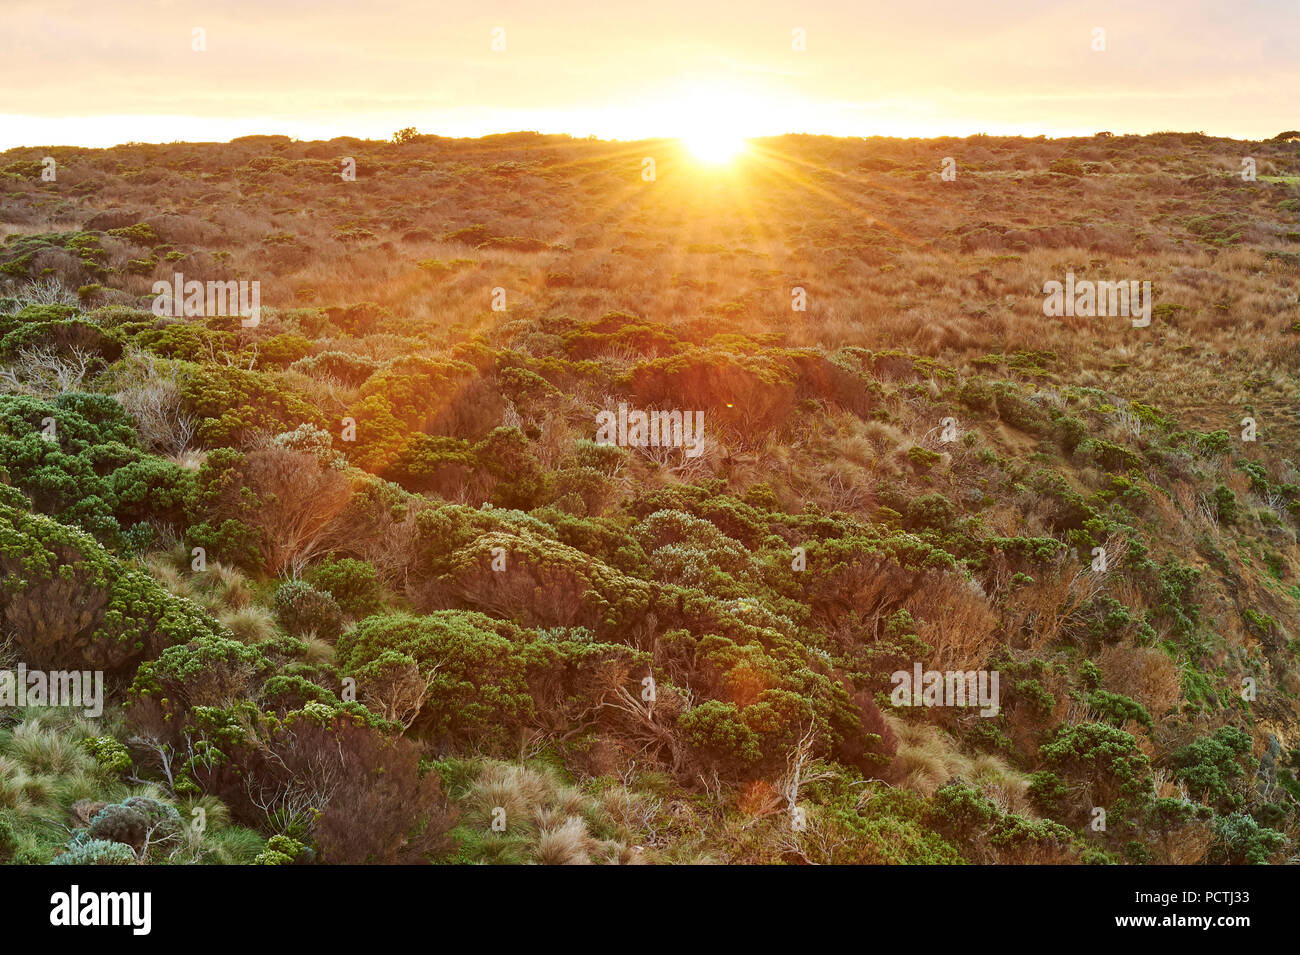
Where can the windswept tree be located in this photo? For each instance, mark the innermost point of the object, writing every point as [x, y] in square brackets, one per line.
[289, 498]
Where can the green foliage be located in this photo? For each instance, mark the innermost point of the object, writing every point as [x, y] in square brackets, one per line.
[122, 824]
[347, 368]
[8, 836]
[959, 809]
[433, 463]
[875, 826]
[112, 755]
[1072, 432]
[282, 850]
[281, 350]
[720, 736]
[1213, 443]
[479, 687]
[1089, 675]
[62, 337]
[69, 603]
[521, 479]
[184, 341]
[1036, 696]
[1225, 503]
[766, 589]
[1066, 166]
[968, 817]
[922, 458]
[1240, 840]
[459, 552]
[301, 609]
[1108, 756]
[605, 458]
[1016, 834]
[1167, 815]
[1119, 708]
[1049, 794]
[142, 233]
[354, 584]
[96, 852]
[208, 671]
[76, 458]
[1211, 767]
[1177, 595]
[1107, 618]
[235, 405]
[931, 512]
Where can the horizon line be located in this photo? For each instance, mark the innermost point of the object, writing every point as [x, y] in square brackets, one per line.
[577, 137]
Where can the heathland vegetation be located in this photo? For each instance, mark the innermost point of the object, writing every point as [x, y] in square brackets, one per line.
[365, 586]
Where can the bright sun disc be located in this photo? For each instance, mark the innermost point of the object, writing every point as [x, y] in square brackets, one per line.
[714, 146]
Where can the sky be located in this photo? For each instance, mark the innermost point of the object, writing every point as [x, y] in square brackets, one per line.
[103, 72]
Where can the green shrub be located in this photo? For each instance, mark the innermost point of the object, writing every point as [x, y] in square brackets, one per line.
[97, 852]
[1015, 833]
[1089, 675]
[301, 609]
[142, 233]
[931, 512]
[120, 823]
[67, 602]
[1119, 708]
[354, 584]
[111, 754]
[1167, 815]
[922, 458]
[351, 370]
[720, 737]
[234, 405]
[479, 687]
[1211, 767]
[1049, 794]
[521, 479]
[208, 671]
[282, 850]
[1066, 166]
[1071, 432]
[1104, 755]
[1034, 695]
[1225, 503]
[1213, 443]
[959, 810]
[1240, 840]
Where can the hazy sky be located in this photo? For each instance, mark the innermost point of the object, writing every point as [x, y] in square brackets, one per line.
[99, 72]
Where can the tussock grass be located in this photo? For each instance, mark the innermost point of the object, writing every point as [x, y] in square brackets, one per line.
[929, 758]
[547, 821]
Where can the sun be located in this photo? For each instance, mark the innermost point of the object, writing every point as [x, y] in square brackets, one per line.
[714, 147]
[714, 122]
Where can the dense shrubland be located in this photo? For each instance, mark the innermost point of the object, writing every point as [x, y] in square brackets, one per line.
[365, 589]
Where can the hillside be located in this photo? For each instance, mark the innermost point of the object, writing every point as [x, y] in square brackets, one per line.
[378, 570]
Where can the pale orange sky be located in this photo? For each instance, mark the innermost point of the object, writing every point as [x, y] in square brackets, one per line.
[100, 73]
